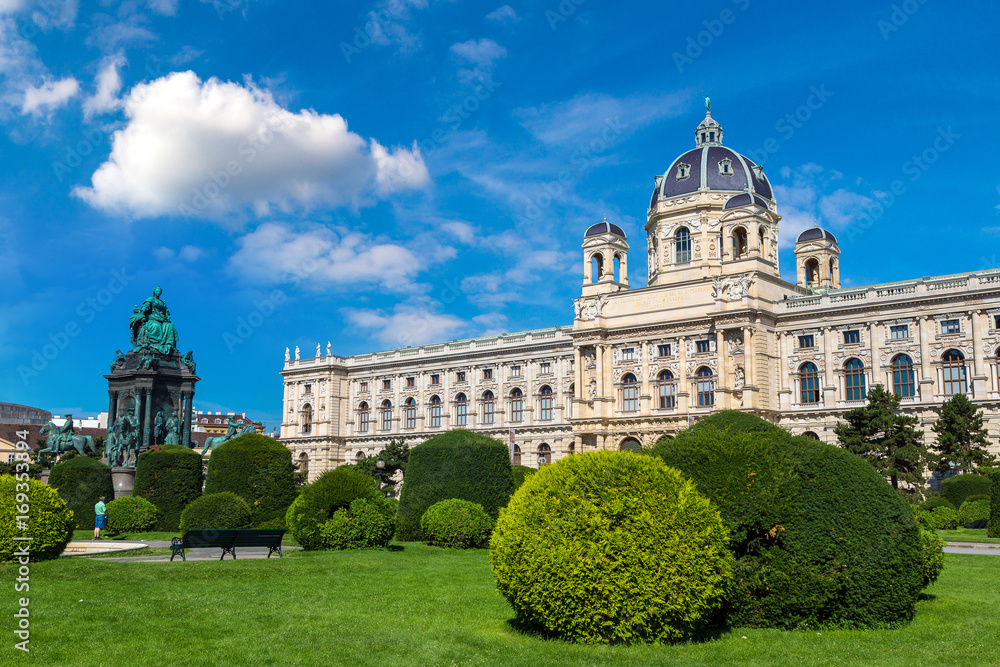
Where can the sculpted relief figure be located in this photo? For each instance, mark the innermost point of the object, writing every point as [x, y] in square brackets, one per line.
[173, 430]
[151, 326]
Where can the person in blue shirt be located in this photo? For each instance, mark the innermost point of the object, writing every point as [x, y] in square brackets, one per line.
[100, 517]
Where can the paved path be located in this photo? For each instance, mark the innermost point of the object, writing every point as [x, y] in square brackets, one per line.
[211, 553]
[972, 548]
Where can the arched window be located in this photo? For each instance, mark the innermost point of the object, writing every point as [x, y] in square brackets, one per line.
[809, 383]
[762, 236]
[545, 404]
[364, 417]
[682, 246]
[572, 448]
[516, 406]
[307, 418]
[461, 410]
[953, 373]
[517, 456]
[618, 269]
[740, 248]
[596, 267]
[435, 412]
[811, 435]
[812, 272]
[666, 388]
[386, 415]
[489, 407]
[902, 376]
[854, 380]
[544, 454]
[304, 464]
[410, 413]
[705, 385]
[630, 445]
[630, 393]
[359, 457]
[218, 421]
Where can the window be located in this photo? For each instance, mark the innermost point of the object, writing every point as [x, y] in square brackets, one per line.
[364, 386]
[435, 412]
[950, 327]
[807, 341]
[545, 404]
[487, 373]
[411, 382]
[630, 393]
[809, 383]
[996, 321]
[516, 460]
[204, 421]
[811, 435]
[702, 346]
[740, 243]
[725, 165]
[460, 376]
[667, 390]
[359, 457]
[218, 421]
[386, 415]
[902, 376]
[515, 371]
[706, 387]
[461, 410]
[852, 337]
[899, 332]
[812, 272]
[307, 417]
[410, 413]
[854, 380]
[683, 171]
[663, 351]
[953, 373]
[516, 406]
[10, 458]
[544, 454]
[386, 385]
[489, 407]
[435, 379]
[682, 245]
[364, 417]
[308, 388]
[628, 354]
[545, 368]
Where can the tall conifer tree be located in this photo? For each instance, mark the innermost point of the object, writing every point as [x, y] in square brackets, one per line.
[962, 441]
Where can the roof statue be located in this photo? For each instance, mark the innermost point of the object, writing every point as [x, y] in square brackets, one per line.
[151, 326]
[708, 104]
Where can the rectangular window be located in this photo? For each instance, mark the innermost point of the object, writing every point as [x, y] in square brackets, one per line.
[461, 412]
[386, 418]
[663, 350]
[628, 354]
[899, 332]
[364, 420]
[852, 337]
[515, 371]
[489, 406]
[364, 386]
[386, 385]
[702, 347]
[950, 327]
[460, 376]
[10, 458]
[807, 341]
[544, 368]
[996, 321]
[308, 388]
[435, 379]
[517, 407]
[436, 415]
[487, 373]
[545, 405]
[411, 382]
[411, 416]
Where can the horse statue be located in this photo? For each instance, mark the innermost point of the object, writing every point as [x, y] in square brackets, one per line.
[244, 428]
[122, 444]
[55, 443]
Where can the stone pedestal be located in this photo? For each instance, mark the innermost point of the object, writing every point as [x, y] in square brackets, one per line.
[123, 480]
[45, 477]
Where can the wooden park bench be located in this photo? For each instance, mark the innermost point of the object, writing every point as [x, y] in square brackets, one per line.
[228, 540]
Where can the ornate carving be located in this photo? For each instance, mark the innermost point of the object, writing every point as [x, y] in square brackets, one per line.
[734, 288]
[740, 380]
[735, 342]
[592, 308]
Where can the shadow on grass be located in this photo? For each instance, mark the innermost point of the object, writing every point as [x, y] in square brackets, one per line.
[538, 632]
[395, 547]
[927, 597]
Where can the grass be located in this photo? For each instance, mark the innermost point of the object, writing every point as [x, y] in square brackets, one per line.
[421, 606]
[967, 535]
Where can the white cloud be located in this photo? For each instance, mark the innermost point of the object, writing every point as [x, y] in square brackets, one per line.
[163, 253]
[164, 7]
[190, 253]
[49, 96]
[210, 149]
[406, 324]
[807, 201]
[109, 84]
[320, 258]
[481, 54]
[502, 14]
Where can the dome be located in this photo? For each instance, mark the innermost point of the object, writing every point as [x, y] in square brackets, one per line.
[713, 167]
[815, 234]
[604, 228]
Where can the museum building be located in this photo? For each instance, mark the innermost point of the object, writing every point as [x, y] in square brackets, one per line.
[716, 328]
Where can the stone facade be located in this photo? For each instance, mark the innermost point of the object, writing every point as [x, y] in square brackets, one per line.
[716, 328]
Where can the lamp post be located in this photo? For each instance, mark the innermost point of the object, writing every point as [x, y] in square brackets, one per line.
[379, 465]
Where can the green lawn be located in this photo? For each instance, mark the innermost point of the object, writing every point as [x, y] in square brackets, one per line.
[967, 535]
[419, 606]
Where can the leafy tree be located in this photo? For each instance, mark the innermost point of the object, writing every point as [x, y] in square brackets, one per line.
[886, 439]
[961, 439]
[395, 455]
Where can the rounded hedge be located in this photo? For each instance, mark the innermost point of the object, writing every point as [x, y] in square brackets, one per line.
[521, 473]
[367, 523]
[131, 514]
[50, 521]
[81, 481]
[936, 501]
[611, 547]
[169, 476]
[457, 464]
[456, 524]
[216, 510]
[956, 489]
[932, 556]
[974, 511]
[259, 470]
[318, 502]
[820, 538]
[941, 518]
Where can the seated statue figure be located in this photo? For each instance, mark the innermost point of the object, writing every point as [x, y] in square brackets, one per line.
[151, 325]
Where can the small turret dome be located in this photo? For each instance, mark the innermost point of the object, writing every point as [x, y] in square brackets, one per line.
[605, 228]
[814, 234]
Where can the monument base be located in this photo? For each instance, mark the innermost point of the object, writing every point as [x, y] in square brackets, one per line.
[45, 477]
[123, 480]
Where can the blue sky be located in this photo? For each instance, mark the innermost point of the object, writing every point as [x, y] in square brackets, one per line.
[385, 173]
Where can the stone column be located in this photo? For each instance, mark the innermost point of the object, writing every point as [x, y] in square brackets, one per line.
[645, 404]
[927, 382]
[683, 384]
[977, 345]
[147, 425]
[112, 406]
[187, 398]
[578, 367]
[829, 387]
[749, 363]
[875, 345]
[724, 383]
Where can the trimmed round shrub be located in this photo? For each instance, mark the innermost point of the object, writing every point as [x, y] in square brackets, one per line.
[977, 496]
[50, 521]
[131, 514]
[367, 523]
[521, 473]
[611, 547]
[993, 527]
[974, 511]
[932, 553]
[318, 502]
[820, 539]
[736, 420]
[216, 510]
[170, 478]
[956, 489]
[273, 524]
[936, 501]
[942, 518]
[81, 481]
[456, 524]
[457, 464]
[259, 470]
